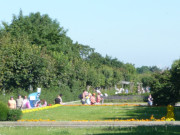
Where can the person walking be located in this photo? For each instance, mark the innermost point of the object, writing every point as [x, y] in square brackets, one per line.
[150, 100]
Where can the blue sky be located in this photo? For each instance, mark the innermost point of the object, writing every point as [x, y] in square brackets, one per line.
[141, 32]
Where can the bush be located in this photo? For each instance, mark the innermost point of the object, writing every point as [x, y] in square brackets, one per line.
[162, 89]
[50, 94]
[14, 115]
[3, 111]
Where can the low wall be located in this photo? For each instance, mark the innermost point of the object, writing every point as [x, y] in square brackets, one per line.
[128, 98]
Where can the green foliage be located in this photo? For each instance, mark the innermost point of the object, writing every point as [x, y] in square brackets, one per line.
[35, 50]
[175, 71]
[146, 69]
[40, 29]
[146, 79]
[3, 111]
[165, 86]
[108, 74]
[129, 72]
[14, 114]
[95, 59]
[162, 89]
[143, 69]
[23, 64]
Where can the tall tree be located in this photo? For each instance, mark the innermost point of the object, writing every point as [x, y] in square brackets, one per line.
[40, 29]
[23, 64]
[175, 71]
[162, 89]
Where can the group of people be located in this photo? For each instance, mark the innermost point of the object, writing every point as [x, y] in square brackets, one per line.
[91, 99]
[41, 103]
[19, 103]
[86, 98]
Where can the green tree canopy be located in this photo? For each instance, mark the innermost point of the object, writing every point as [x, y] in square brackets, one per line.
[23, 64]
[175, 71]
[40, 29]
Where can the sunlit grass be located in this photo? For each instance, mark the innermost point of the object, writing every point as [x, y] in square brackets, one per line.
[68, 113]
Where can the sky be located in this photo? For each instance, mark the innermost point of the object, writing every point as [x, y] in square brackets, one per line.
[140, 32]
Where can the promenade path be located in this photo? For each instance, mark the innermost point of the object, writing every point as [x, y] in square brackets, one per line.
[89, 124]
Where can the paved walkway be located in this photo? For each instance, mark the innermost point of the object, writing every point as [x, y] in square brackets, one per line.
[89, 124]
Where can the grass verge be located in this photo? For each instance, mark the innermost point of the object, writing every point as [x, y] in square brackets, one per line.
[69, 113]
[142, 130]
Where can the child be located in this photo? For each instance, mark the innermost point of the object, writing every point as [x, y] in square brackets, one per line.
[88, 99]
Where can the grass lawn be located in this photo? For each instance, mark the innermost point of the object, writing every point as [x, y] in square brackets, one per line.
[155, 130]
[68, 113]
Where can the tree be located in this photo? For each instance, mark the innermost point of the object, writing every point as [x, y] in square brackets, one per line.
[143, 69]
[108, 74]
[95, 59]
[40, 29]
[175, 71]
[129, 72]
[146, 79]
[23, 64]
[162, 89]
[35, 50]
[146, 69]
[155, 69]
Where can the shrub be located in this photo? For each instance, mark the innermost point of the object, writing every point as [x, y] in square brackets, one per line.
[14, 115]
[162, 89]
[3, 111]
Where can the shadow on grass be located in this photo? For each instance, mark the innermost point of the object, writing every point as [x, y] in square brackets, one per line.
[143, 130]
[145, 112]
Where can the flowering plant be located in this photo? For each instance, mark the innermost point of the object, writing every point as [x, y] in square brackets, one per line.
[40, 108]
[36, 120]
[170, 112]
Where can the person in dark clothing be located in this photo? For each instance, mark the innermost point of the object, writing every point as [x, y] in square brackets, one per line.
[57, 100]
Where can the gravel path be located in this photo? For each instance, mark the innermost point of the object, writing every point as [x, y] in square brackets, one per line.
[89, 124]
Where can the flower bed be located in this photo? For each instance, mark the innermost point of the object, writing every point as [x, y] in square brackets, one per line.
[37, 120]
[40, 108]
[118, 120]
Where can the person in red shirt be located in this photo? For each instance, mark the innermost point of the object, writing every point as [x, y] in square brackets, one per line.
[93, 99]
[99, 98]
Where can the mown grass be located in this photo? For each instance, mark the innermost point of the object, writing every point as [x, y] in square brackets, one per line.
[68, 113]
[142, 130]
